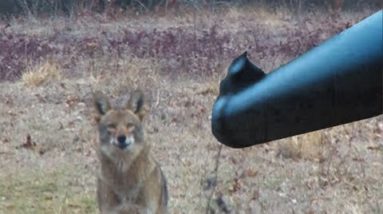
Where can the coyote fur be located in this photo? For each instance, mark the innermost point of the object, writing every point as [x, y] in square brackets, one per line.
[131, 181]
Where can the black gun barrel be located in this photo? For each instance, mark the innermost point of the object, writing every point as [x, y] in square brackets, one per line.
[337, 82]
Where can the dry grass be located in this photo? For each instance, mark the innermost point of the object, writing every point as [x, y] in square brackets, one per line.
[336, 170]
[42, 73]
[310, 146]
[29, 191]
[323, 170]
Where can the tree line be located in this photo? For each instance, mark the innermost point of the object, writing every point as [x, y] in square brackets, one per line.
[68, 7]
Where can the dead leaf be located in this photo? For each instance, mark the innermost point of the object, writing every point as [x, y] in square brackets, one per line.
[72, 100]
[250, 173]
[236, 185]
[29, 144]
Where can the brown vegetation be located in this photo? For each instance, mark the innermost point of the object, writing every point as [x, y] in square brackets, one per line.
[48, 158]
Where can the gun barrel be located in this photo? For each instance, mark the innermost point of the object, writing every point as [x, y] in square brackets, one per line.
[337, 82]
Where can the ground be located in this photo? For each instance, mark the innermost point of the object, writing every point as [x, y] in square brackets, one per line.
[50, 66]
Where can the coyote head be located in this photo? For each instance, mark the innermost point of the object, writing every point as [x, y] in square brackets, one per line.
[120, 129]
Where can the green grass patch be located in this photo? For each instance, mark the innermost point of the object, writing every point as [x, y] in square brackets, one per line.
[41, 193]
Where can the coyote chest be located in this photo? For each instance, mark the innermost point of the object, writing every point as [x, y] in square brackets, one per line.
[127, 177]
[130, 180]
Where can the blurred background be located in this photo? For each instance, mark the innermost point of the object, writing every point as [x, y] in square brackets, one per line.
[54, 53]
[70, 7]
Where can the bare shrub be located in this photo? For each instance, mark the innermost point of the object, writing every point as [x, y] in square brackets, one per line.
[41, 73]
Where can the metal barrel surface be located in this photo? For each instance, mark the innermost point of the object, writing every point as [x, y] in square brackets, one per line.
[337, 82]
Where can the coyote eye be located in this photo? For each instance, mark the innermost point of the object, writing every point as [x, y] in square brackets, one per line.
[130, 127]
[111, 127]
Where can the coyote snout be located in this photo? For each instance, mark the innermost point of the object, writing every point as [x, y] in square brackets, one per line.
[130, 181]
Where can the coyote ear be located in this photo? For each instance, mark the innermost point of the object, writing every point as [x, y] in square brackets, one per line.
[136, 103]
[101, 103]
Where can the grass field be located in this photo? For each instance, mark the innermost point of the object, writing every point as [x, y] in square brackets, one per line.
[50, 66]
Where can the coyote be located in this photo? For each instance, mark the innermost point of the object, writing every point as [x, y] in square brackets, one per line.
[130, 181]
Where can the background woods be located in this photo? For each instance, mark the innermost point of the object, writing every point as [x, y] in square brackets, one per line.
[71, 7]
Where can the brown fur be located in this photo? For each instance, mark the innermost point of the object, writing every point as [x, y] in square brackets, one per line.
[130, 181]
